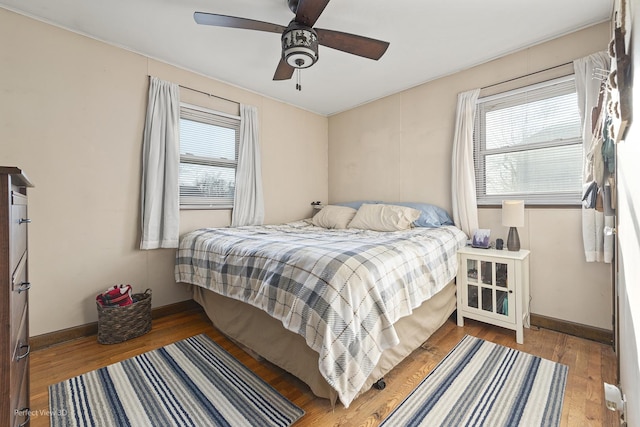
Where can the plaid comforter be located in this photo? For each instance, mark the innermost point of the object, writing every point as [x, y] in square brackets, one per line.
[342, 290]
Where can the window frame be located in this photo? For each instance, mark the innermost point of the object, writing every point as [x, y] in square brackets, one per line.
[216, 118]
[480, 152]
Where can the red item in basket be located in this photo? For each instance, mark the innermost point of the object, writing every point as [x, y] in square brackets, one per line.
[117, 295]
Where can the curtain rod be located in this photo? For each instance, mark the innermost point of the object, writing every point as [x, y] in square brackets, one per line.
[209, 94]
[527, 75]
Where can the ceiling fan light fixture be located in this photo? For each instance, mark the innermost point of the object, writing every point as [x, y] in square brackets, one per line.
[299, 46]
[299, 40]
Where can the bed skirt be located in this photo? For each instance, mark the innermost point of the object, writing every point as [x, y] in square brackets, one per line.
[262, 334]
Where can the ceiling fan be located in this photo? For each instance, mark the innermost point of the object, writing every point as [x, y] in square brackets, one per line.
[299, 39]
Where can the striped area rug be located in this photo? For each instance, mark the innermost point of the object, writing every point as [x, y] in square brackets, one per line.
[193, 382]
[480, 383]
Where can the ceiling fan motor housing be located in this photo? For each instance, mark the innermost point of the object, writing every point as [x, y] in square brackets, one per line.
[299, 45]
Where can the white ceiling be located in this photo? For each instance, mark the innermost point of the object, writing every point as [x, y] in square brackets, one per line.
[428, 39]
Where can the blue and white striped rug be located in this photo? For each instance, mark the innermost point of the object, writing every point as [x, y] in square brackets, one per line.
[480, 383]
[193, 382]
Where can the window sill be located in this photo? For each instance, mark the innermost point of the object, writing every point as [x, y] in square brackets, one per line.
[579, 206]
[204, 208]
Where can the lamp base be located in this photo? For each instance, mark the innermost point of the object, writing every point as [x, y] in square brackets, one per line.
[513, 240]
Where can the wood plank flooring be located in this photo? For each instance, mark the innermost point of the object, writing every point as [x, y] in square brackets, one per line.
[590, 364]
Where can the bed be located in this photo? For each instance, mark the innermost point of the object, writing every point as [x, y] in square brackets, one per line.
[337, 308]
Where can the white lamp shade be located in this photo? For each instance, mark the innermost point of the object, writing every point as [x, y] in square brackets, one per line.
[513, 213]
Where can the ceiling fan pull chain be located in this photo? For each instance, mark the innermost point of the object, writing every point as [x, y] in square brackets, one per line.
[298, 85]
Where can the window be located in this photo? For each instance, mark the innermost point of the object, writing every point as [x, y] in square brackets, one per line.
[528, 145]
[208, 158]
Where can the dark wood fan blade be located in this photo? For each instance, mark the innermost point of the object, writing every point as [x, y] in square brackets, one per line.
[235, 22]
[309, 11]
[284, 71]
[351, 43]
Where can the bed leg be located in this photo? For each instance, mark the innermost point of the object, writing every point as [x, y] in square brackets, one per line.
[380, 384]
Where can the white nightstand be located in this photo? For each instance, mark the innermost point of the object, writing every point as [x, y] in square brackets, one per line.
[493, 287]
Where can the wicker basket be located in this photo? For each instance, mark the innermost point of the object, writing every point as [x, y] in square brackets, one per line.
[118, 324]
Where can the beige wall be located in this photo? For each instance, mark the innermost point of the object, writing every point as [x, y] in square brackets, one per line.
[628, 178]
[399, 149]
[71, 115]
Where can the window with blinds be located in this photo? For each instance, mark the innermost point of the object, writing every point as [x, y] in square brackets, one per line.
[528, 145]
[208, 158]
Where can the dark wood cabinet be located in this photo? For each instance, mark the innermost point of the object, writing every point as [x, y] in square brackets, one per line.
[14, 301]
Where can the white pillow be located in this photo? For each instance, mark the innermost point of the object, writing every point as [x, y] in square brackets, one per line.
[380, 217]
[332, 216]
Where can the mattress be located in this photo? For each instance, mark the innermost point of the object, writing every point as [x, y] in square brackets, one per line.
[342, 291]
[261, 335]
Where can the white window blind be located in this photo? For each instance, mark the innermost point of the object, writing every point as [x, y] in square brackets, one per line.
[528, 145]
[208, 158]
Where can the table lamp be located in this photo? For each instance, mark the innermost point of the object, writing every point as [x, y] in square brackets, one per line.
[513, 216]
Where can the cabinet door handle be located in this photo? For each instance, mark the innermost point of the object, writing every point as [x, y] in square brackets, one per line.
[24, 221]
[26, 353]
[28, 412]
[24, 286]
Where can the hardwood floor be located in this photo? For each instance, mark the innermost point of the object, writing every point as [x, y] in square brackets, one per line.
[590, 364]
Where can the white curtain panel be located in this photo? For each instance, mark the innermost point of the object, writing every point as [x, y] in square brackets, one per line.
[463, 180]
[160, 193]
[248, 205]
[588, 89]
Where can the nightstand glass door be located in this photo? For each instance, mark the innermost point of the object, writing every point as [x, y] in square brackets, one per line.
[472, 283]
[502, 293]
[488, 287]
[486, 269]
